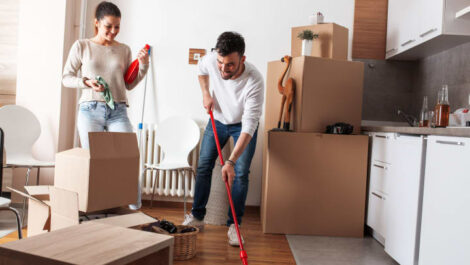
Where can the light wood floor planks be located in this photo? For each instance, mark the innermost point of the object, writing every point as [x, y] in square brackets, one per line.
[212, 246]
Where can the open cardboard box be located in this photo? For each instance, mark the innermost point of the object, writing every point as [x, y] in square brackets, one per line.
[106, 176]
[51, 208]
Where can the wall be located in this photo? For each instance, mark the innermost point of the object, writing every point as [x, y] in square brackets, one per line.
[41, 40]
[392, 85]
[9, 11]
[451, 67]
[172, 27]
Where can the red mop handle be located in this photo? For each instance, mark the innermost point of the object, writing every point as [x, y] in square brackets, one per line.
[243, 255]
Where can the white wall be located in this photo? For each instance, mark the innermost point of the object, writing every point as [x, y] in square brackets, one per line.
[41, 40]
[172, 27]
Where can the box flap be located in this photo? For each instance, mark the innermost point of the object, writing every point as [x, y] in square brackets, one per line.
[46, 195]
[64, 208]
[37, 190]
[76, 152]
[39, 218]
[113, 145]
[127, 220]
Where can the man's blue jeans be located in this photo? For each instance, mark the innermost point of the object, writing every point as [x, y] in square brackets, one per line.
[207, 158]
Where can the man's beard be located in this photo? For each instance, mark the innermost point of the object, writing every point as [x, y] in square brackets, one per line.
[231, 73]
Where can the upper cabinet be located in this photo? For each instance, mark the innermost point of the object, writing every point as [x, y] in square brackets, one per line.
[419, 28]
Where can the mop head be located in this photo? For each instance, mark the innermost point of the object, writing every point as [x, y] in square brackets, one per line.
[107, 95]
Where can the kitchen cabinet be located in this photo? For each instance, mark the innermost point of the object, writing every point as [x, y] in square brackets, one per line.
[418, 28]
[404, 199]
[395, 182]
[446, 202]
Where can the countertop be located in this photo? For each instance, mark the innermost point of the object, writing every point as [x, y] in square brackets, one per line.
[450, 131]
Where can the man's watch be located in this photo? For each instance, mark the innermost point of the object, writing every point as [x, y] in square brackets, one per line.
[228, 161]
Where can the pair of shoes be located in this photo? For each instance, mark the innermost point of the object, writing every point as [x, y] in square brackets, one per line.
[232, 236]
[189, 219]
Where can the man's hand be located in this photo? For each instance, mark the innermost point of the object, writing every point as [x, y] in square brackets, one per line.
[228, 173]
[207, 101]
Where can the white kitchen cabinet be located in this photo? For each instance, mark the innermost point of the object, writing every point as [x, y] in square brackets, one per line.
[404, 199]
[445, 230]
[395, 193]
[418, 28]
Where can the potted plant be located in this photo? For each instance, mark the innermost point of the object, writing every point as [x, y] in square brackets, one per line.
[307, 36]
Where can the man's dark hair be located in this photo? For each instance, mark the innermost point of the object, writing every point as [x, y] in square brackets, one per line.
[229, 42]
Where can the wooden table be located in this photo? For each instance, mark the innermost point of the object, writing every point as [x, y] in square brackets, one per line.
[90, 243]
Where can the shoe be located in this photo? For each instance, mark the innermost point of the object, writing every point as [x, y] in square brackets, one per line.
[232, 236]
[189, 219]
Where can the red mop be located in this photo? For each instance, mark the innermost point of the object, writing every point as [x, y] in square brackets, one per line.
[243, 255]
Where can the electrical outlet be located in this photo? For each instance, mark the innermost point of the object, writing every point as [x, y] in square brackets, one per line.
[195, 55]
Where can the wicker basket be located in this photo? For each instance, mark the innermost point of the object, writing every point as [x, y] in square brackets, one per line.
[185, 243]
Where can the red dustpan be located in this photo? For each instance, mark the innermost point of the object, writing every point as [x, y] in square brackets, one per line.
[243, 255]
[133, 70]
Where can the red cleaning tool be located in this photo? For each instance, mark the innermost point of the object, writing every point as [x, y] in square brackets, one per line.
[243, 255]
[133, 69]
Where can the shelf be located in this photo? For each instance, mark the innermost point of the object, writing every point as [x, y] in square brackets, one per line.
[464, 13]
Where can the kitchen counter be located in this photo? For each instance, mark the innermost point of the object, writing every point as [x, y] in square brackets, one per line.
[452, 131]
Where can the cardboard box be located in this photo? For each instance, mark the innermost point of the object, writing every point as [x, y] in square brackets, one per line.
[315, 184]
[106, 176]
[326, 91]
[332, 41]
[90, 243]
[51, 208]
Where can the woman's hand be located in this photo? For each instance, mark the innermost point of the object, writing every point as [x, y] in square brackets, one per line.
[143, 56]
[95, 85]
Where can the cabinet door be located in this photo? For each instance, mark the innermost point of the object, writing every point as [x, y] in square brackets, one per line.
[403, 199]
[393, 28]
[380, 147]
[445, 228]
[408, 17]
[376, 212]
[430, 13]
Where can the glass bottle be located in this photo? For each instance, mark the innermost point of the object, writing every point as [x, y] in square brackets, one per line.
[424, 119]
[442, 108]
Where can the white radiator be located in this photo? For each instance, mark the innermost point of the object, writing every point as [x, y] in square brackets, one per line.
[168, 183]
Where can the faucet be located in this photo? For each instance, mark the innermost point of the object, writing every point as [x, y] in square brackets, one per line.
[410, 119]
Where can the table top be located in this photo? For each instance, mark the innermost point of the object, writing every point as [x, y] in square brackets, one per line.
[88, 243]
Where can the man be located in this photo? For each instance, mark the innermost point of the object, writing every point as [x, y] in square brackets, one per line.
[236, 101]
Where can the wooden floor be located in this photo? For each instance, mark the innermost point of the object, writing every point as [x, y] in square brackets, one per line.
[212, 246]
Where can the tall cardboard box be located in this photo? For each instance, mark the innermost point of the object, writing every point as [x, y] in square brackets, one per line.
[315, 184]
[106, 176]
[332, 41]
[326, 91]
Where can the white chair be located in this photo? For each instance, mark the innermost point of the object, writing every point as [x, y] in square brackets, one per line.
[177, 137]
[4, 202]
[22, 129]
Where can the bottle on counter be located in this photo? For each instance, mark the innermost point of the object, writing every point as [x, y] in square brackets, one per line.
[442, 109]
[424, 119]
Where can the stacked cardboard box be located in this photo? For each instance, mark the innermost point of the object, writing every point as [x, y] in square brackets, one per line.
[315, 183]
[87, 181]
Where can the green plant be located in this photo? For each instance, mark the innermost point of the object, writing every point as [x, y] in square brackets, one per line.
[307, 35]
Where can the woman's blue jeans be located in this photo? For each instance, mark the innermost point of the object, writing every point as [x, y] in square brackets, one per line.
[95, 116]
[207, 158]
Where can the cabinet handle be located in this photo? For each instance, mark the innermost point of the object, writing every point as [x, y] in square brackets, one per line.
[407, 42]
[391, 50]
[382, 136]
[379, 166]
[427, 32]
[450, 142]
[377, 195]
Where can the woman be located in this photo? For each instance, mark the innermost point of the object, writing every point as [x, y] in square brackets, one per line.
[102, 56]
